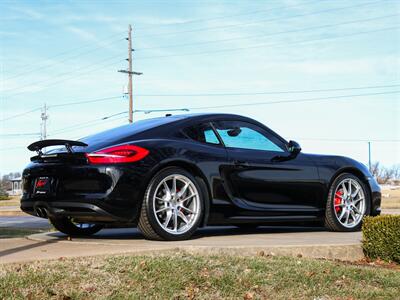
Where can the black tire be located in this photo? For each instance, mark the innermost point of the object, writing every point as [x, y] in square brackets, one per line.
[148, 223]
[331, 221]
[65, 225]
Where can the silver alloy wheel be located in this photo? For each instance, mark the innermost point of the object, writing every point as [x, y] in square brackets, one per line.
[349, 203]
[176, 204]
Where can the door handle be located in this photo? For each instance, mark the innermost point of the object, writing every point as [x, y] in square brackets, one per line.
[240, 163]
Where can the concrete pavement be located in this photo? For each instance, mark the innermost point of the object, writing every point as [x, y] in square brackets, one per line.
[292, 241]
[305, 241]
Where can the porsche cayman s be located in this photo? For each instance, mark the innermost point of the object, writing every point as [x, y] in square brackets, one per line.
[171, 175]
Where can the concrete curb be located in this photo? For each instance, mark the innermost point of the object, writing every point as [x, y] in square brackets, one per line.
[345, 252]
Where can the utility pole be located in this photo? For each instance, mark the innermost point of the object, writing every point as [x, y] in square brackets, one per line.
[44, 116]
[369, 156]
[130, 73]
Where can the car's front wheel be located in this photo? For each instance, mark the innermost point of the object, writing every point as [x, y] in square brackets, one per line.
[69, 227]
[172, 206]
[348, 202]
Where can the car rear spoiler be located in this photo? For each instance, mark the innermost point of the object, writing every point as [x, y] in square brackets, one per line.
[37, 146]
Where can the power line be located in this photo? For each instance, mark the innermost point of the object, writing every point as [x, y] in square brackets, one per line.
[60, 61]
[68, 51]
[224, 17]
[67, 78]
[61, 105]
[270, 45]
[293, 101]
[85, 101]
[268, 93]
[270, 34]
[84, 125]
[267, 102]
[95, 100]
[19, 134]
[21, 114]
[66, 73]
[262, 21]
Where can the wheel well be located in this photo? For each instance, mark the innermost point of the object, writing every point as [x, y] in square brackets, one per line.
[193, 169]
[356, 173]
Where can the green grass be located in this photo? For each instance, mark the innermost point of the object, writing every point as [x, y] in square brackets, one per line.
[6, 232]
[184, 276]
[11, 201]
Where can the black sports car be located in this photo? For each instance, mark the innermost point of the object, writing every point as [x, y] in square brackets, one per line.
[171, 175]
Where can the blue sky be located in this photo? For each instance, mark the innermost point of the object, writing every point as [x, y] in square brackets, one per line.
[60, 52]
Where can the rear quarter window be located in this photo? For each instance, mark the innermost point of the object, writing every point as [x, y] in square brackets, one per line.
[202, 133]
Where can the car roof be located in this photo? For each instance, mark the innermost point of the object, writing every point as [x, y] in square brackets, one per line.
[161, 126]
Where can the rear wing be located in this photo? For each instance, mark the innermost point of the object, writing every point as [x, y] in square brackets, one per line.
[39, 145]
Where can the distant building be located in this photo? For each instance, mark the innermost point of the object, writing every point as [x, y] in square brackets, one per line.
[16, 187]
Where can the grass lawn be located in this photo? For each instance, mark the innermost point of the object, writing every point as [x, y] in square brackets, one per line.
[12, 201]
[393, 201]
[17, 232]
[184, 276]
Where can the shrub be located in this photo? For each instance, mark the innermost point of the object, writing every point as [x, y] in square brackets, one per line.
[381, 237]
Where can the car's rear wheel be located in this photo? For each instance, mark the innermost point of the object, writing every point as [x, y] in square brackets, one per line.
[172, 206]
[69, 227]
[348, 202]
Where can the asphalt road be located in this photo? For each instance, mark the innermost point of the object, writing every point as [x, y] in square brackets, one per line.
[24, 222]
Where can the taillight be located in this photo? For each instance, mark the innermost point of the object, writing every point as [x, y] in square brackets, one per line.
[117, 154]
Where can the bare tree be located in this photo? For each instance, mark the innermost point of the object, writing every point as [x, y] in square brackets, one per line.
[375, 169]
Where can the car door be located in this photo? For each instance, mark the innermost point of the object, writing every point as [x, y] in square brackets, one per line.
[261, 183]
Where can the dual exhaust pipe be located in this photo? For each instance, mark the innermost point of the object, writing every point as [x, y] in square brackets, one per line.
[41, 212]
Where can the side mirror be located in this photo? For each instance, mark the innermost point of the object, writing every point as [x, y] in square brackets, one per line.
[234, 132]
[294, 148]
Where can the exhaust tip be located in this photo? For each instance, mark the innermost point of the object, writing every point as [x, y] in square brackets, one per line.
[41, 212]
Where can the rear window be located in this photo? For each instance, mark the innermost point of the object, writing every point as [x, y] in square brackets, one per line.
[202, 133]
[126, 130]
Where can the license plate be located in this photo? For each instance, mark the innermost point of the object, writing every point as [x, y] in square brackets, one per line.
[42, 186]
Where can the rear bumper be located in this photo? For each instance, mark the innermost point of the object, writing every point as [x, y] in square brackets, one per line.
[86, 192]
[88, 212]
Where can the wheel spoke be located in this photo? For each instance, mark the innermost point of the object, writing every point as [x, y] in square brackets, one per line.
[175, 215]
[342, 214]
[173, 190]
[162, 209]
[347, 216]
[353, 216]
[183, 217]
[183, 190]
[358, 200]
[187, 209]
[168, 219]
[167, 190]
[349, 190]
[161, 199]
[187, 198]
[344, 190]
[356, 210]
[355, 192]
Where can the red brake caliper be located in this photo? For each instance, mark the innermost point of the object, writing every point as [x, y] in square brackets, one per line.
[338, 200]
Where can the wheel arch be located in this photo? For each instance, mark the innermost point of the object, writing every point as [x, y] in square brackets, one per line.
[356, 172]
[195, 171]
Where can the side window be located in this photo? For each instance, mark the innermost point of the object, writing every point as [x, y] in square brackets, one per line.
[202, 133]
[243, 135]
